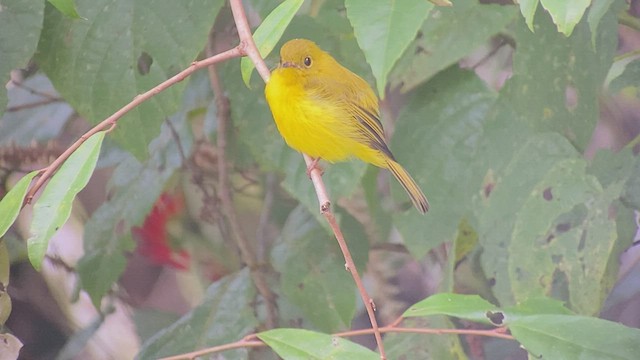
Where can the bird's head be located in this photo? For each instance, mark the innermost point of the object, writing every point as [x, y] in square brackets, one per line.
[304, 55]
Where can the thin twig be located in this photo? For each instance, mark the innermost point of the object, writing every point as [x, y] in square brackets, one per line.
[246, 250]
[261, 230]
[246, 39]
[110, 122]
[34, 91]
[253, 341]
[325, 208]
[176, 137]
[496, 333]
[236, 345]
[351, 267]
[32, 105]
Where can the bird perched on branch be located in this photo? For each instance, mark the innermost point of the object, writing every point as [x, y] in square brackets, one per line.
[327, 112]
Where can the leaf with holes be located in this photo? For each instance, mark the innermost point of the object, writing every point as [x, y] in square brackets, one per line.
[124, 48]
[560, 90]
[497, 213]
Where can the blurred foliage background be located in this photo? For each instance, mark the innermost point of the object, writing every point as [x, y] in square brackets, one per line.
[519, 121]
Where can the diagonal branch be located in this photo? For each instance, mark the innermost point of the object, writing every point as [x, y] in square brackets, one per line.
[244, 31]
[110, 122]
[254, 341]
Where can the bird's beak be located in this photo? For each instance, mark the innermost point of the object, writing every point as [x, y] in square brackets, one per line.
[287, 64]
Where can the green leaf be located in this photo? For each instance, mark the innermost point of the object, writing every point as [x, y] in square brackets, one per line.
[631, 192]
[528, 10]
[469, 307]
[11, 203]
[135, 187]
[436, 139]
[225, 315]
[560, 91]
[20, 26]
[124, 48]
[507, 191]
[268, 34]
[5, 270]
[566, 13]
[536, 306]
[384, 29]
[53, 207]
[312, 273]
[105, 246]
[598, 9]
[627, 82]
[67, 7]
[414, 346]
[150, 321]
[575, 337]
[613, 167]
[304, 344]
[548, 227]
[445, 38]
[562, 187]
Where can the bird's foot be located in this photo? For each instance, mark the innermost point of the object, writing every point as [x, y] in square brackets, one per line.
[314, 165]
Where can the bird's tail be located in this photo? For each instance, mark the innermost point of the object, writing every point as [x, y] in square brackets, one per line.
[417, 196]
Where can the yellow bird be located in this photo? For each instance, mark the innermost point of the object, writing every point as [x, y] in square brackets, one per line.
[325, 111]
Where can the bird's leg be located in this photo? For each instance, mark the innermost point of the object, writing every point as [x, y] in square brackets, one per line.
[314, 165]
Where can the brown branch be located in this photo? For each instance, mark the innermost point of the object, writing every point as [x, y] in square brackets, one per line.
[351, 267]
[244, 32]
[496, 333]
[34, 91]
[236, 345]
[246, 39]
[246, 250]
[262, 244]
[253, 341]
[110, 122]
[32, 105]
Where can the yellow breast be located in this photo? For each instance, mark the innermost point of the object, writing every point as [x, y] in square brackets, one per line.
[310, 125]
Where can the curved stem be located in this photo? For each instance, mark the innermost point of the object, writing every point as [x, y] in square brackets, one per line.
[109, 123]
[216, 349]
[252, 340]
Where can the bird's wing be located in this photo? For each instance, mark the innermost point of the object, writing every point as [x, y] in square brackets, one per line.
[371, 127]
[362, 106]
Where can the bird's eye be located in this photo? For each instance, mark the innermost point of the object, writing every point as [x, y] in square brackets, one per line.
[307, 61]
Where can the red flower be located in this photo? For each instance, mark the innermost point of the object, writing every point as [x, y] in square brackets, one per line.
[153, 237]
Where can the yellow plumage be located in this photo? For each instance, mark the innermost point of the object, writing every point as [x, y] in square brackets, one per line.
[325, 111]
